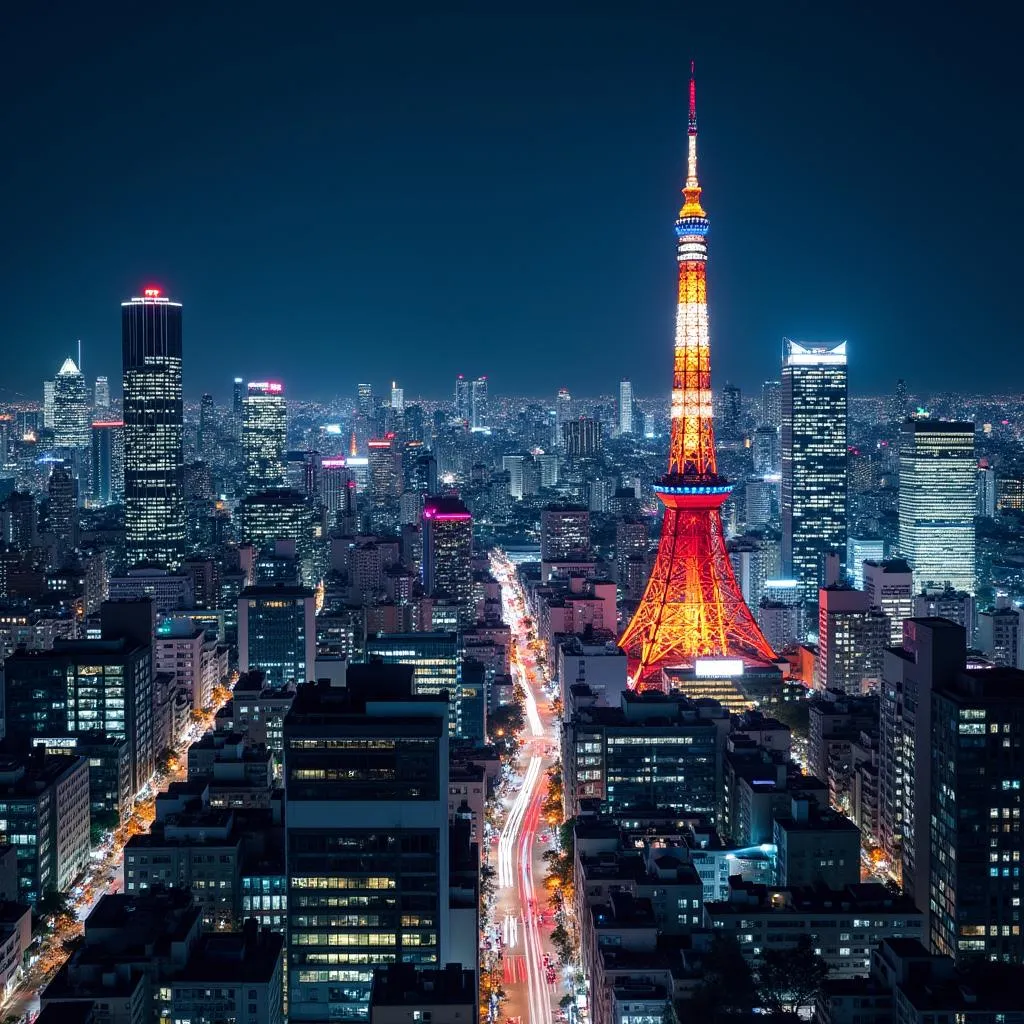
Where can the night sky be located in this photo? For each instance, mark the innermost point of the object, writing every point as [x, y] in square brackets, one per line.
[339, 196]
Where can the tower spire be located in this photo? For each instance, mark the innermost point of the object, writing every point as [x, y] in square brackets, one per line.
[692, 207]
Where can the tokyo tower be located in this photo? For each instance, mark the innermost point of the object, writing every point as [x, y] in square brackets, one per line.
[692, 606]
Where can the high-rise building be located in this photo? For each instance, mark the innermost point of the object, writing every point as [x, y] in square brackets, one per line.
[771, 404]
[154, 501]
[766, 450]
[101, 393]
[583, 438]
[731, 403]
[366, 838]
[448, 553]
[463, 400]
[937, 502]
[85, 686]
[237, 404]
[19, 518]
[364, 401]
[337, 486]
[986, 490]
[851, 639]
[625, 407]
[1001, 633]
[280, 515]
[858, 551]
[436, 662]
[889, 586]
[70, 408]
[692, 606]
[206, 438]
[565, 533]
[932, 654]
[946, 603]
[513, 465]
[973, 826]
[277, 633]
[814, 477]
[478, 412]
[62, 510]
[385, 469]
[563, 414]
[397, 399]
[264, 436]
[899, 402]
[48, 389]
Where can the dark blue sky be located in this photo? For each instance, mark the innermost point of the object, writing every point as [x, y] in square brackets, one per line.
[338, 196]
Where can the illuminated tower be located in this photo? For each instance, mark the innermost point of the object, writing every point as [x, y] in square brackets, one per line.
[264, 435]
[154, 497]
[692, 606]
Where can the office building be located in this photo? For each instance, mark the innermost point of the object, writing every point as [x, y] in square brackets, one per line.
[107, 474]
[565, 534]
[1001, 633]
[46, 818]
[183, 650]
[947, 603]
[771, 404]
[814, 483]
[563, 414]
[277, 633]
[650, 752]
[48, 387]
[82, 687]
[337, 487]
[986, 490]
[937, 502]
[815, 847]
[858, 551]
[436, 662]
[889, 586]
[625, 407]
[62, 510]
[366, 812]
[206, 436]
[973, 808]
[463, 400]
[237, 406]
[583, 437]
[280, 515]
[232, 976]
[445, 995]
[933, 653]
[364, 400]
[397, 399]
[448, 553]
[851, 638]
[478, 411]
[70, 408]
[264, 436]
[154, 512]
[385, 470]
[729, 412]
[766, 451]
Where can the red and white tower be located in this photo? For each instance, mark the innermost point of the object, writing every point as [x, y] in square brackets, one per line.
[692, 607]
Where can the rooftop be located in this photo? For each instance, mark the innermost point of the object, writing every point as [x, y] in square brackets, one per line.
[404, 985]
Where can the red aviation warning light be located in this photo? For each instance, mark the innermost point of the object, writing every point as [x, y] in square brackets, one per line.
[692, 606]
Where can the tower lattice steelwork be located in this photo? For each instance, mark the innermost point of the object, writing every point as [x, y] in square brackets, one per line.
[692, 607]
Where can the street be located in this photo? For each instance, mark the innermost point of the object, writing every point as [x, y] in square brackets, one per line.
[533, 982]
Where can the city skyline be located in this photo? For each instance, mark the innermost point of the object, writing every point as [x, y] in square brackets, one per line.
[392, 149]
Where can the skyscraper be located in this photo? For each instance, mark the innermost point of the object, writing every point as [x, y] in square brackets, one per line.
[206, 439]
[463, 401]
[366, 837]
[154, 514]
[889, 586]
[898, 404]
[814, 479]
[692, 606]
[237, 406]
[582, 438]
[264, 436]
[731, 410]
[937, 502]
[858, 551]
[101, 393]
[364, 400]
[563, 414]
[565, 533]
[48, 386]
[448, 553]
[851, 640]
[397, 399]
[771, 404]
[385, 468]
[70, 408]
[107, 475]
[478, 412]
[277, 632]
[62, 510]
[625, 407]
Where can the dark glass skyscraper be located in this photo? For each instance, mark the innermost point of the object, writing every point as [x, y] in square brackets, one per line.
[813, 459]
[154, 516]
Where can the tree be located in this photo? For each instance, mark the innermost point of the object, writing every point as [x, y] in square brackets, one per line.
[166, 761]
[563, 943]
[727, 987]
[791, 978]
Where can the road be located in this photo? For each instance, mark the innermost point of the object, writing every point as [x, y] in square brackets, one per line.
[522, 913]
[105, 874]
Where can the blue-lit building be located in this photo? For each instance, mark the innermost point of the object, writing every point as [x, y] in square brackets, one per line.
[277, 633]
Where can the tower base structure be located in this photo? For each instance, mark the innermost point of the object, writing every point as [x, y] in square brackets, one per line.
[692, 607]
